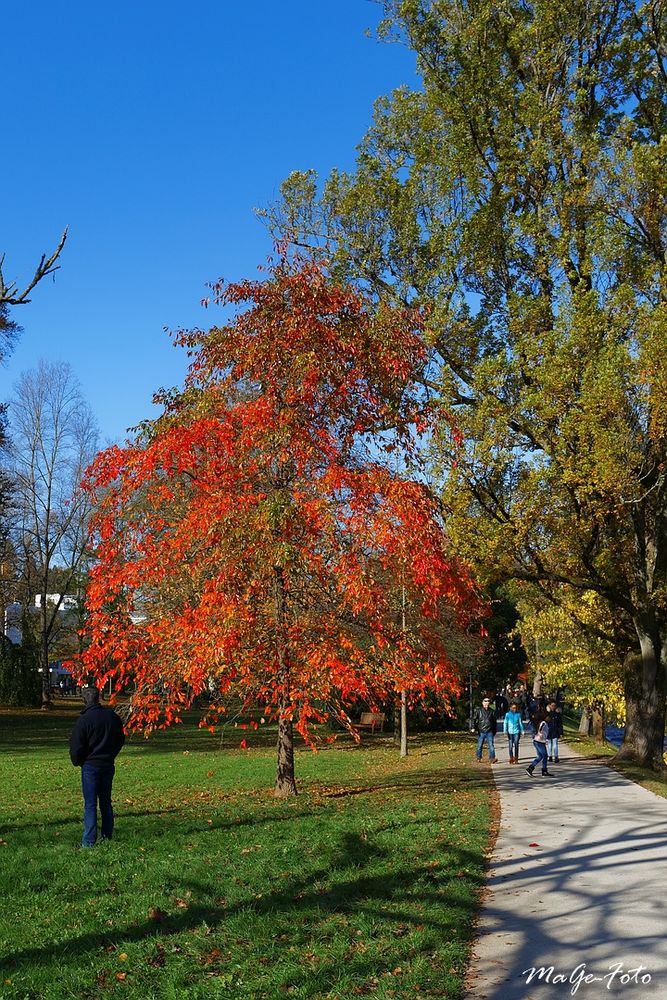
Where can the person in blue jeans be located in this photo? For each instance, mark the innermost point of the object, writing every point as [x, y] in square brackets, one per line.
[540, 744]
[486, 725]
[513, 726]
[95, 742]
[555, 731]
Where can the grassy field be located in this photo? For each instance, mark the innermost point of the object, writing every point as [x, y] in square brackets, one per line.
[367, 884]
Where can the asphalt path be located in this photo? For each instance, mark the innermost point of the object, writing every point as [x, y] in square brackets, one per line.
[577, 890]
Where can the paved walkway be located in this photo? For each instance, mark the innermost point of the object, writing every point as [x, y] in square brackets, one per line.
[578, 881]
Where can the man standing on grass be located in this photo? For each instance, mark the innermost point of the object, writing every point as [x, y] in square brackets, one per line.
[95, 743]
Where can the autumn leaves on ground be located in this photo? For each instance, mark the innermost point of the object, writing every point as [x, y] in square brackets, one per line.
[364, 885]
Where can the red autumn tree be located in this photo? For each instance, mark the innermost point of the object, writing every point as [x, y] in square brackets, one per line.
[247, 537]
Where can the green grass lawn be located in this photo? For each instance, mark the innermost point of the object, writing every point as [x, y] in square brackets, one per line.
[367, 884]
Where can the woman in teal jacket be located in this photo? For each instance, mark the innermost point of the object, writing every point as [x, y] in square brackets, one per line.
[513, 726]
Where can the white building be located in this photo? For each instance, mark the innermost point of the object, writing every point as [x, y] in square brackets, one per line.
[13, 612]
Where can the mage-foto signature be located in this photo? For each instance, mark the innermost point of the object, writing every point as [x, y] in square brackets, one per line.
[579, 976]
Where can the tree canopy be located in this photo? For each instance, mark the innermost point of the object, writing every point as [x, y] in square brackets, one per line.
[254, 537]
[519, 196]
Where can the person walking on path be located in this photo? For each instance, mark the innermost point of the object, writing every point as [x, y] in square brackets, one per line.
[540, 744]
[95, 742]
[486, 726]
[513, 726]
[501, 705]
[555, 731]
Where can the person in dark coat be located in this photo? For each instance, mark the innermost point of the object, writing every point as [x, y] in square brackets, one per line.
[94, 744]
[486, 725]
[555, 731]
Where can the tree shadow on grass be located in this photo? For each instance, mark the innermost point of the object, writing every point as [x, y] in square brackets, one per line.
[359, 879]
[35, 830]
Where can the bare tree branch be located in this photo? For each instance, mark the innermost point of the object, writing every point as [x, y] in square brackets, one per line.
[11, 296]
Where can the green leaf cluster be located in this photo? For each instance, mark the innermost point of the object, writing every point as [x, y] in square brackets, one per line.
[519, 197]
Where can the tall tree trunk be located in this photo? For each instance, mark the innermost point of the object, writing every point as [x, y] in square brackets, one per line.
[585, 723]
[44, 656]
[645, 699]
[598, 719]
[538, 684]
[404, 696]
[397, 722]
[285, 780]
[404, 723]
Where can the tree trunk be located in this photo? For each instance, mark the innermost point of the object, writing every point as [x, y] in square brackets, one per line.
[538, 684]
[285, 780]
[397, 723]
[44, 656]
[404, 724]
[598, 721]
[645, 700]
[585, 724]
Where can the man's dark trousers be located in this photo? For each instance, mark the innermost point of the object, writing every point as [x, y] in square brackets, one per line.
[96, 785]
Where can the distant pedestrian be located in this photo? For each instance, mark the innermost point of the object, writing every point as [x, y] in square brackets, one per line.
[513, 726]
[501, 705]
[94, 744]
[555, 719]
[486, 725]
[540, 744]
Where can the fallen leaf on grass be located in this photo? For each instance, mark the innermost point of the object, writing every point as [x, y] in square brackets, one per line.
[155, 913]
[211, 956]
[157, 960]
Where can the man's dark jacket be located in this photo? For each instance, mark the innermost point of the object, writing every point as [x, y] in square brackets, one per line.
[555, 723]
[485, 720]
[97, 737]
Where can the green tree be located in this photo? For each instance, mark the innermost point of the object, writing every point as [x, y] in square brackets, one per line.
[574, 654]
[520, 197]
[20, 682]
[504, 657]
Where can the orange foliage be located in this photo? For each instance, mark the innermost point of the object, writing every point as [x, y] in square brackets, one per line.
[256, 537]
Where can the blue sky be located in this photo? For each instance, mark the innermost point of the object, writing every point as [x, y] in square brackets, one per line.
[152, 130]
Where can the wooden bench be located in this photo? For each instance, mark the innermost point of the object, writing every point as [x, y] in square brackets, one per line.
[369, 720]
